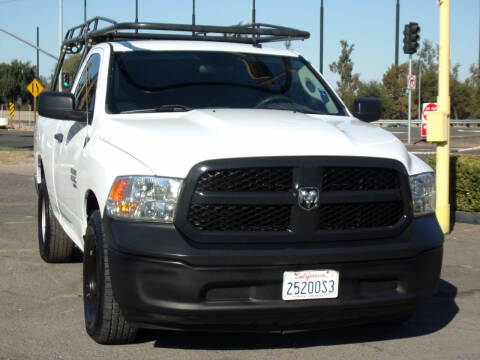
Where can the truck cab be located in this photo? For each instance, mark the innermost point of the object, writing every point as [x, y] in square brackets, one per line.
[213, 182]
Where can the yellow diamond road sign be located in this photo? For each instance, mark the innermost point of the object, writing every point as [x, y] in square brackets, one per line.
[35, 88]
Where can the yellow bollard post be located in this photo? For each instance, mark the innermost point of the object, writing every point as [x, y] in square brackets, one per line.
[441, 120]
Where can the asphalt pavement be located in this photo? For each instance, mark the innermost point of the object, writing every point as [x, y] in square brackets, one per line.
[41, 309]
[16, 139]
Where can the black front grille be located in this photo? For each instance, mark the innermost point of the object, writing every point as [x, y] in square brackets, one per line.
[358, 179]
[248, 180]
[240, 217]
[355, 194]
[359, 216]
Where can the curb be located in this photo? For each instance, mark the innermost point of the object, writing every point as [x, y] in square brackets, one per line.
[467, 217]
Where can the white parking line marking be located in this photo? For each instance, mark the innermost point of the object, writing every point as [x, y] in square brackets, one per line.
[423, 153]
[473, 131]
[469, 149]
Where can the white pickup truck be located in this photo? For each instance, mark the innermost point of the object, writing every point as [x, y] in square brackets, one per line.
[214, 183]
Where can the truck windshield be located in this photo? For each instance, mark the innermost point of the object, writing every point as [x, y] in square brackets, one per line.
[150, 81]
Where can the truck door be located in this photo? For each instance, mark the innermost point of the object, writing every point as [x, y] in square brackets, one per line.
[72, 138]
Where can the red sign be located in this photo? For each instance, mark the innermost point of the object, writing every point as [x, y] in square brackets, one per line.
[428, 107]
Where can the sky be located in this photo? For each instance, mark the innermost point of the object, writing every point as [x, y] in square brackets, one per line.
[368, 24]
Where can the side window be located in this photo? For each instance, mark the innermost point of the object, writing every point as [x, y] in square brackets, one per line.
[87, 85]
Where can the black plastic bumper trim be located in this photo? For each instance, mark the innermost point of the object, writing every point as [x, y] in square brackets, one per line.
[159, 293]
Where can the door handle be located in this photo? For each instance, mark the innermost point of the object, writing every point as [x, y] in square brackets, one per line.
[58, 137]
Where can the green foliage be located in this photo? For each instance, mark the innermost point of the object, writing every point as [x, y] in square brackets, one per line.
[467, 182]
[465, 96]
[14, 78]
[473, 83]
[348, 85]
[71, 63]
[370, 88]
[394, 97]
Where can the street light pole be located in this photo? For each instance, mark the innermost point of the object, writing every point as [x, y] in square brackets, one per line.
[136, 15]
[252, 13]
[193, 12]
[397, 32]
[85, 22]
[38, 53]
[321, 38]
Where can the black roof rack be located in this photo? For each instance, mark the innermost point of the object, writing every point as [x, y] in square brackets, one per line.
[85, 35]
[89, 33]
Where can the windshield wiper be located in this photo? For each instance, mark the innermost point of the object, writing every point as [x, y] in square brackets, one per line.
[163, 108]
[294, 109]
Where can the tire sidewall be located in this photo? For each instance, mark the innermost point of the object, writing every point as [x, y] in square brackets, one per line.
[43, 211]
[94, 240]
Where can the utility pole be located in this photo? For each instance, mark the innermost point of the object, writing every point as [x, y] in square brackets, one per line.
[252, 12]
[38, 53]
[60, 38]
[321, 37]
[397, 32]
[438, 122]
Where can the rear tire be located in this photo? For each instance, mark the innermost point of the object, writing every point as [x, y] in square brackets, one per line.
[104, 320]
[54, 245]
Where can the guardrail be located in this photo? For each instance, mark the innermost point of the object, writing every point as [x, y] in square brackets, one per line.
[475, 122]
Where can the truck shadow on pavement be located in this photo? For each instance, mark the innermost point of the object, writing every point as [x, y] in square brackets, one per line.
[437, 313]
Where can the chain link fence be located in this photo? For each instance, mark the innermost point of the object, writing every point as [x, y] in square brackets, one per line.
[23, 117]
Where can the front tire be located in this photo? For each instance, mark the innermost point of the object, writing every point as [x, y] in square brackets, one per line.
[54, 245]
[104, 321]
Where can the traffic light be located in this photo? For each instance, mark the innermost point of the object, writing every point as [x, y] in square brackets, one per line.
[65, 80]
[411, 38]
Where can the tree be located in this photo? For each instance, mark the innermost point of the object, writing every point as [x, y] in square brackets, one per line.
[473, 82]
[369, 88]
[460, 96]
[71, 63]
[428, 63]
[348, 85]
[14, 78]
[394, 95]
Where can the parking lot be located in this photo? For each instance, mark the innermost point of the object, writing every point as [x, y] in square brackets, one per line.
[41, 309]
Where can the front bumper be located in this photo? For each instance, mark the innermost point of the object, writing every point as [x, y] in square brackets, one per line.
[161, 279]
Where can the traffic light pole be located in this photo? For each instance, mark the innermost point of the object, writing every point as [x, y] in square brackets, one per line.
[409, 101]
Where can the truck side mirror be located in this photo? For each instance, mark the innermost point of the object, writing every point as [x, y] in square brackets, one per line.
[367, 109]
[60, 106]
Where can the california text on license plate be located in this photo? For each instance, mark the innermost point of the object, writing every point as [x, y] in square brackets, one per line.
[310, 284]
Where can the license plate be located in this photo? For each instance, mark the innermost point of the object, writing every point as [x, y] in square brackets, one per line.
[310, 284]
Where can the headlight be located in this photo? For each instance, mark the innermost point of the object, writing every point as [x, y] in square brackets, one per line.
[147, 198]
[423, 193]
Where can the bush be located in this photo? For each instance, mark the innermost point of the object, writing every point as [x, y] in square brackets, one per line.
[464, 183]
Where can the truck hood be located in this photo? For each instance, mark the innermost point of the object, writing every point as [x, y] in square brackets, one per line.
[171, 143]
